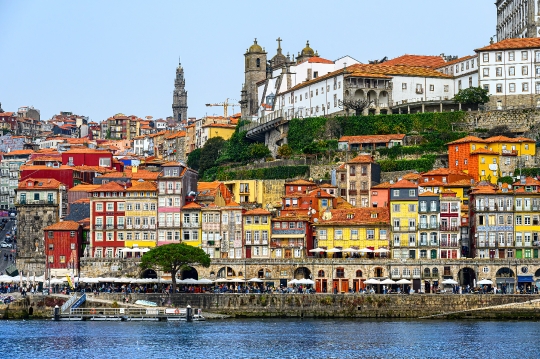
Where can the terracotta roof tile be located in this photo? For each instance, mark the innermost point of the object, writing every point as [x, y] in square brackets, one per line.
[39, 183]
[529, 181]
[428, 194]
[433, 183]
[416, 60]
[412, 176]
[460, 183]
[404, 184]
[63, 226]
[467, 140]
[141, 186]
[443, 172]
[192, 205]
[510, 44]
[257, 212]
[300, 182]
[110, 187]
[357, 216]
[361, 159]
[456, 61]
[382, 185]
[496, 139]
[83, 200]
[84, 188]
[371, 138]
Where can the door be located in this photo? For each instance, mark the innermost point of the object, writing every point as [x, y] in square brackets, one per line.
[287, 253]
[356, 285]
[491, 253]
[416, 284]
[501, 253]
[318, 286]
[519, 253]
[427, 287]
[335, 286]
[324, 285]
[344, 286]
[433, 254]
[248, 252]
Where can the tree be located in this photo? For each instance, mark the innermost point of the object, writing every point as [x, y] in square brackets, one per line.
[284, 151]
[472, 95]
[194, 158]
[258, 150]
[358, 105]
[210, 153]
[173, 258]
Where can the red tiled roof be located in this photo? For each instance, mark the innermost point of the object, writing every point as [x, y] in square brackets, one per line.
[83, 187]
[467, 140]
[39, 183]
[319, 60]
[428, 194]
[83, 200]
[443, 172]
[141, 186]
[496, 139]
[511, 44]
[529, 181]
[382, 185]
[371, 139]
[456, 61]
[433, 183]
[416, 60]
[192, 205]
[460, 183]
[412, 176]
[257, 212]
[404, 184]
[19, 152]
[361, 159]
[301, 182]
[110, 187]
[63, 226]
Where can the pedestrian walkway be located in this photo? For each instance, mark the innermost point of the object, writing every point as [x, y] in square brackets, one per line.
[534, 303]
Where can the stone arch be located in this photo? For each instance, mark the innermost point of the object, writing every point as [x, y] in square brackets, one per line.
[340, 272]
[358, 273]
[320, 273]
[372, 96]
[383, 99]
[258, 62]
[225, 272]
[189, 273]
[149, 273]
[537, 273]
[427, 272]
[359, 95]
[302, 273]
[378, 272]
[435, 271]
[466, 276]
[505, 272]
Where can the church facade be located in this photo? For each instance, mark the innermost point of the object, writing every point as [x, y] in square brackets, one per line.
[179, 105]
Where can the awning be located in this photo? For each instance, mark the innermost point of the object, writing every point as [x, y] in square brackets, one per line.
[278, 236]
[525, 279]
[505, 280]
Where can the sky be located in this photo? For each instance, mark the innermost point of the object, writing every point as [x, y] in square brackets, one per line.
[99, 58]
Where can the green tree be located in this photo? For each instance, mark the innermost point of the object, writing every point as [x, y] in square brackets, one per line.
[173, 258]
[258, 151]
[284, 151]
[194, 158]
[210, 153]
[472, 95]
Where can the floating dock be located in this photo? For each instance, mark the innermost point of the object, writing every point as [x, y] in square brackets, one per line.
[129, 314]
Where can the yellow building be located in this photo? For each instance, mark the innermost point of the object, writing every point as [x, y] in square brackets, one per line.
[268, 193]
[527, 218]
[403, 217]
[257, 227]
[355, 228]
[141, 213]
[191, 224]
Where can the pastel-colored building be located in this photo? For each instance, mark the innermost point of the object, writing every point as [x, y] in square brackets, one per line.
[257, 230]
[141, 214]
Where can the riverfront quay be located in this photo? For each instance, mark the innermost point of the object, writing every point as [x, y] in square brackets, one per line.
[432, 306]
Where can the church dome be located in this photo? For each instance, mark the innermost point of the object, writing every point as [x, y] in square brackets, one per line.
[255, 47]
[308, 51]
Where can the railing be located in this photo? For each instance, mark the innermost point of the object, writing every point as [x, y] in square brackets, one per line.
[79, 302]
[28, 201]
[352, 192]
[120, 226]
[98, 226]
[68, 303]
[449, 228]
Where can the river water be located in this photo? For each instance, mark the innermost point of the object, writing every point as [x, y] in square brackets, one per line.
[270, 338]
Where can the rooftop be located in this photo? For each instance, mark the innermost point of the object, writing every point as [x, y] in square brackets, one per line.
[63, 226]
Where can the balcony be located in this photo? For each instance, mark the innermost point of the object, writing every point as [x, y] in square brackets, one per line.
[35, 202]
[211, 243]
[110, 226]
[419, 91]
[404, 228]
[248, 241]
[152, 226]
[120, 226]
[98, 227]
[449, 228]
[353, 192]
[129, 226]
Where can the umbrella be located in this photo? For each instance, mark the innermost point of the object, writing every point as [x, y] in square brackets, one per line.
[238, 280]
[388, 281]
[294, 281]
[122, 280]
[204, 281]
[485, 282]
[365, 250]
[381, 250]
[222, 280]
[372, 281]
[189, 281]
[449, 281]
[305, 281]
[403, 281]
[352, 250]
[106, 280]
[256, 280]
[316, 250]
[333, 250]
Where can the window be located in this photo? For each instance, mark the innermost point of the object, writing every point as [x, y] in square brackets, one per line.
[338, 234]
[99, 207]
[485, 57]
[110, 207]
[412, 208]
[396, 208]
[370, 234]
[396, 193]
[524, 70]
[446, 88]
[104, 162]
[524, 55]
[412, 193]
[498, 56]
[525, 87]
[499, 88]
[431, 87]
[404, 86]
[511, 71]
[512, 87]
[486, 72]
[498, 71]
[486, 87]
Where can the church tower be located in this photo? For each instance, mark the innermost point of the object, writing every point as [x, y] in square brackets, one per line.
[255, 71]
[179, 105]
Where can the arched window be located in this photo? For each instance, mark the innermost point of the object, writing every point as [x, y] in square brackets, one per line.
[258, 62]
[358, 273]
[435, 272]
[320, 274]
[340, 272]
[427, 272]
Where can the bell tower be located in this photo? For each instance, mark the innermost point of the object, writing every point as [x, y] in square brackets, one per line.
[255, 71]
[179, 105]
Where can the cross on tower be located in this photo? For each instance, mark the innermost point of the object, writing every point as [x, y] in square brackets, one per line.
[279, 42]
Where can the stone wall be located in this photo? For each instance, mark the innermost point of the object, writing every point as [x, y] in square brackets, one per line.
[327, 305]
[518, 120]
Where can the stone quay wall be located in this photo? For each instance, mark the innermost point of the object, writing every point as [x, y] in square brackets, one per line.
[345, 305]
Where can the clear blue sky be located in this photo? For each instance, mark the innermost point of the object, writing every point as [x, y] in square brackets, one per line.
[98, 58]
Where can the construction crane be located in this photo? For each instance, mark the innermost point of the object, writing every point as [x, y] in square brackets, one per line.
[225, 105]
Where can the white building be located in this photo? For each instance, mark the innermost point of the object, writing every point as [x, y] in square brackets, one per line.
[510, 71]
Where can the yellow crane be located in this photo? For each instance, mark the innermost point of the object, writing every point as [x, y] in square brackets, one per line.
[225, 105]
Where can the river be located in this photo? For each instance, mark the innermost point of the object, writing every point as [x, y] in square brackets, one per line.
[270, 338]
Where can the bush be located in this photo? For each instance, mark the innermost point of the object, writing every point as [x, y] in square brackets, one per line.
[423, 164]
[281, 172]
